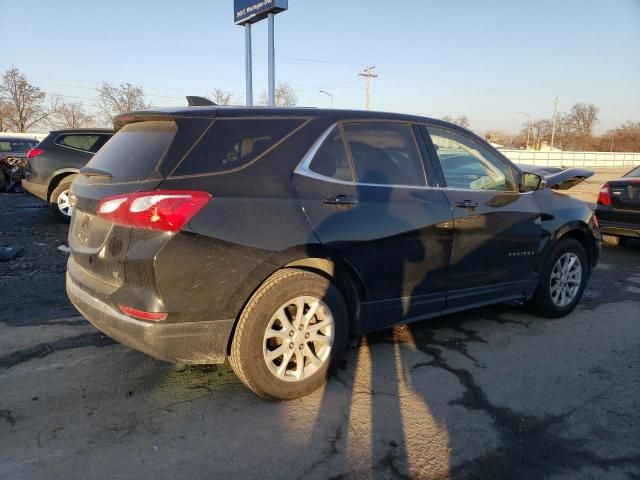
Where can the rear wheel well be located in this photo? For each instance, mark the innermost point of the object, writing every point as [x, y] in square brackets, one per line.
[344, 278]
[55, 181]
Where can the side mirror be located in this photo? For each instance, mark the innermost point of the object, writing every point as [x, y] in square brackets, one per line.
[530, 182]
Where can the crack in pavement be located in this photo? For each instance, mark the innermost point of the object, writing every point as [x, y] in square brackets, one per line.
[43, 349]
[529, 447]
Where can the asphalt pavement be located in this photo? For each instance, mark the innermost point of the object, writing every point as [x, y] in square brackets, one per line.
[491, 393]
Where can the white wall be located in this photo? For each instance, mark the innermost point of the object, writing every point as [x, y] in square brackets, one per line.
[573, 159]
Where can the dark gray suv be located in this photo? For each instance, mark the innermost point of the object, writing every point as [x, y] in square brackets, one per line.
[55, 162]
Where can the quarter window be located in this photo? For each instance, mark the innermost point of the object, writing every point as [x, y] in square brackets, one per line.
[81, 142]
[385, 153]
[466, 164]
[331, 159]
[231, 144]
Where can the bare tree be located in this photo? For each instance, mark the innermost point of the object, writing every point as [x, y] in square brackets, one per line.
[6, 111]
[540, 129]
[461, 120]
[71, 115]
[114, 100]
[581, 120]
[285, 96]
[23, 103]
[623, 138]
[222, 97]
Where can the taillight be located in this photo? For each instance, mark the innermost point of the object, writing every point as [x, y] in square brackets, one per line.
[34, 152]
[142, 315]
[604, 197]
[167, 210]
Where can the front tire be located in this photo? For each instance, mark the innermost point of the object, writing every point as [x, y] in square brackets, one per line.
[563, 280]
[60, 201]
[290, 335]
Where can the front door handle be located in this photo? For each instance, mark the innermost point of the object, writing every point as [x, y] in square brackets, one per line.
[346, 200]
[467, 204]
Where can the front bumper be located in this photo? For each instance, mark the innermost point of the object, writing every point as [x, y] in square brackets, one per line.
[202, 342]
[620, 229]
[37, 189]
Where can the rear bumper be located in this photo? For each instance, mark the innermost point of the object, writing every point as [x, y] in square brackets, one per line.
[203, 342]
[37, 189]
[620, 229]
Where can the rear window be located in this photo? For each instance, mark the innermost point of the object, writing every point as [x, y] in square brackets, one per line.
[230, 144]
[79, 142]
[634, 173]
[135, 151]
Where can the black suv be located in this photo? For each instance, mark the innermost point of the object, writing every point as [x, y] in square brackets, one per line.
[267, 236]
[54, 164]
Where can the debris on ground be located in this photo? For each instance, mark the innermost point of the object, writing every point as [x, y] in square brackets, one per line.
[64, 248]
[9, 253]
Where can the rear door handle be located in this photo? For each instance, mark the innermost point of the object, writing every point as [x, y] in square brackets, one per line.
[340, 200]
[467, 204]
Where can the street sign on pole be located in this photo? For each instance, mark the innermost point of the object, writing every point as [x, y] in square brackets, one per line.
[246, 12]
[252, 11]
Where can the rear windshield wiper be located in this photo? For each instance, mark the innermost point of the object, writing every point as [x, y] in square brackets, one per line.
[94, 172]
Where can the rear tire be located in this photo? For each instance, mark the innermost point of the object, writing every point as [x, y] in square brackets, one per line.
[271, 331]
[563, 280]
[613, 240]
[59, 199]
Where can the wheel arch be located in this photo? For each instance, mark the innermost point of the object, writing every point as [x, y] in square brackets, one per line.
[337, 270]
[57, 177]
[580, 232]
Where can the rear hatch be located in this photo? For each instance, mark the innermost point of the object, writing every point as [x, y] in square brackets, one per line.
[625, 194]
[136, 159]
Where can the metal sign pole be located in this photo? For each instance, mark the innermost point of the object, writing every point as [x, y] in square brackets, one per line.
[248, 73]
[272, 61]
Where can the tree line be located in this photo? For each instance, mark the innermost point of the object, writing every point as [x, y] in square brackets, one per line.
[24, 106]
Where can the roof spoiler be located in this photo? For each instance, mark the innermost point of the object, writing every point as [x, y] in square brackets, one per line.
[195, 101]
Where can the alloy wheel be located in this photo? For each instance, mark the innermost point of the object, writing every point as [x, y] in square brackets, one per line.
[566, 278]
[298, 339]
[64, 204]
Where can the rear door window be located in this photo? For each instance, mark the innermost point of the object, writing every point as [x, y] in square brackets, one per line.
[385, 153]
[135, 150]
[79, 142]
[233, 143]
[331, 159]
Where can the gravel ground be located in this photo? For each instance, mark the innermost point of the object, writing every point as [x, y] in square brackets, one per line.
[491, 393]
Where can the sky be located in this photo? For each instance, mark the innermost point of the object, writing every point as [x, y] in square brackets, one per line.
[487, 60]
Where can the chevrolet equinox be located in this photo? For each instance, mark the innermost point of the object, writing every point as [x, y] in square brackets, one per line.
[268, 236]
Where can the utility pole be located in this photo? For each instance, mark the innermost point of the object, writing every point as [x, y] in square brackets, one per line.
[553, 128]
[368, 75]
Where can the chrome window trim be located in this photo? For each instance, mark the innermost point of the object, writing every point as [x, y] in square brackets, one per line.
[304, 169]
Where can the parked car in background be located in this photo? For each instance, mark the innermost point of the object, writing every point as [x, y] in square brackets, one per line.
[618, 208]
[13, 154]
[267, 236]
[54, 163]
